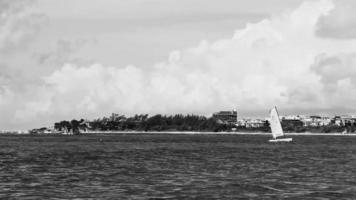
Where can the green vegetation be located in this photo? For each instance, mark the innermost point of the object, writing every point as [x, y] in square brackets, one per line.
[145, 123]
[73, 126]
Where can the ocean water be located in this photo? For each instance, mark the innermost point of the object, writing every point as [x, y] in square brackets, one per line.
[159, 166]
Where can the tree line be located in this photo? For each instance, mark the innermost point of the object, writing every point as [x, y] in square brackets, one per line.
[143, 122]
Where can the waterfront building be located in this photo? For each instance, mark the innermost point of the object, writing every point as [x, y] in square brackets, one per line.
[342, 120]
[226, 117]
[251, 123]
[324, 121]
[241, 123]
[255, 123]
[292, 117]
[347, 119]
[316, 121]
[337, 121]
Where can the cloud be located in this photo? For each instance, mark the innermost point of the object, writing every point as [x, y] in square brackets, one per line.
[18, 24]
[340, 22]
[63, 52]
[337, 75]
[277, 61]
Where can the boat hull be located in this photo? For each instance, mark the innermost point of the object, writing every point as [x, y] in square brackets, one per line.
[281, 140]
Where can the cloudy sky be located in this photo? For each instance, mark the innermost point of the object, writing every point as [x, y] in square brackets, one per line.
[87, 58]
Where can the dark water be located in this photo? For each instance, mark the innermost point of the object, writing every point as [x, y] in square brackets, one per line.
[176, 167]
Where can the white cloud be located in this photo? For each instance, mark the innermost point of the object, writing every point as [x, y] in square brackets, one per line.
[63, 51]
[338, 77]
[340, 22]
[278, 61]
[18, 24]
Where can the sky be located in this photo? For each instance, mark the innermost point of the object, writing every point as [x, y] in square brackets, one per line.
[67, 59]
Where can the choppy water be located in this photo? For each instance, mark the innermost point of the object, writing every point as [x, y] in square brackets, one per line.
[176, 167]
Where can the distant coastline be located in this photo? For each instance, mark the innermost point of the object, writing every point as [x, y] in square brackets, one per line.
[223, 122]
[210, 133]
[182, 133]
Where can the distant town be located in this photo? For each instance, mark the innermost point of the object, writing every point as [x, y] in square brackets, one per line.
[291, 123]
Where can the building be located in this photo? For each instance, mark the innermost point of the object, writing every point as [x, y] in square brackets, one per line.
[241, 123]
[251, 123]
[255, 123]
[292, 117]
[316, 121]
[344, 120]
[226, 117]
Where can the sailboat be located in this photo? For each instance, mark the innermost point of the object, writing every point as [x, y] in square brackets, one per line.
[276, 127]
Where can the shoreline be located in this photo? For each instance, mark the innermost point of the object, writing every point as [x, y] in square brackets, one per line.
[184, 133]
[211, 133]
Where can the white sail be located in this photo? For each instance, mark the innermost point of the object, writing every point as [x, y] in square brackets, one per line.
[275, 124]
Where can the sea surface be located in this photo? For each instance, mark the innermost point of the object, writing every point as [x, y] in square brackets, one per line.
[167, 166]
